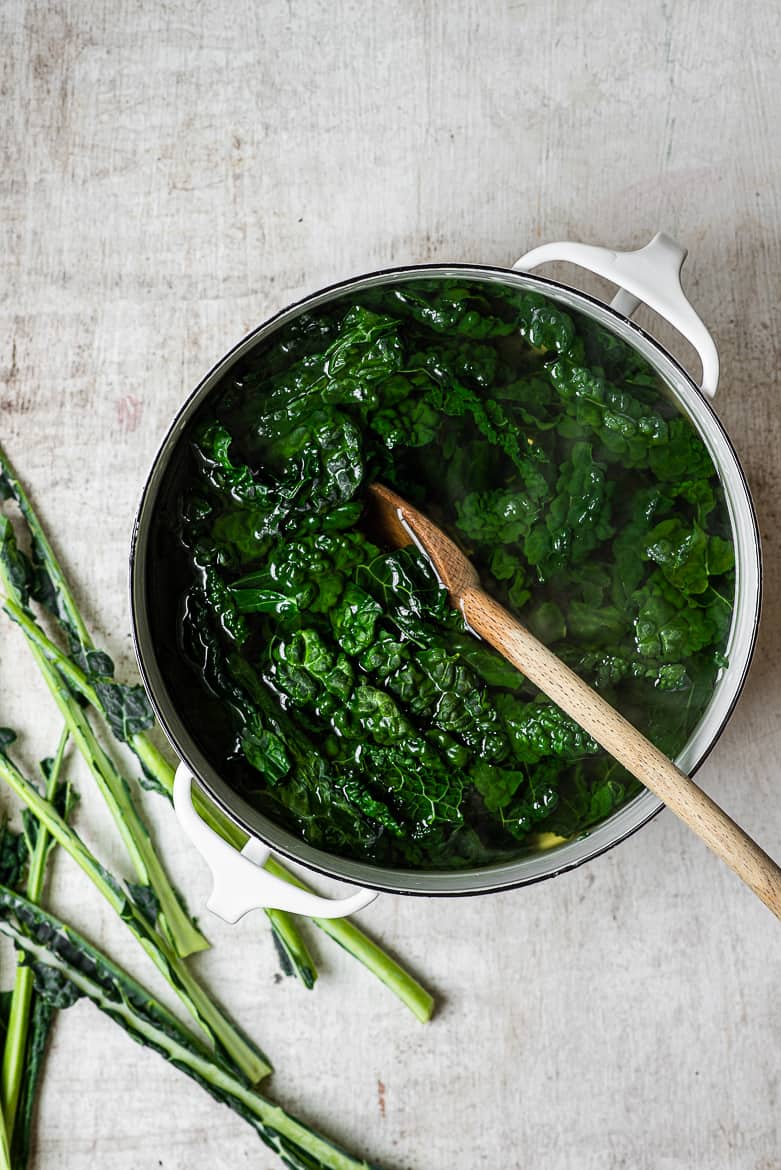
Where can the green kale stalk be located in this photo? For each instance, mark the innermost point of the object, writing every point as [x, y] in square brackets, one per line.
[67, 967]
[5, 1147]
[239, 1051]
[16, 1050]
[27, 1017]
[18, 579]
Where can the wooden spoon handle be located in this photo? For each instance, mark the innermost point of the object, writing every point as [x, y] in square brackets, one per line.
[625, 743]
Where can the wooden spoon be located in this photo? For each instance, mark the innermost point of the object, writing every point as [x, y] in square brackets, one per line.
[398, 524]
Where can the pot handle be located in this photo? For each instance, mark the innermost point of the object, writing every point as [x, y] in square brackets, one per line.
[241, 883]
[652, 275]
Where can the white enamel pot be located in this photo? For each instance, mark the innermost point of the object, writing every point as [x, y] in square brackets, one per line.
[650, 276]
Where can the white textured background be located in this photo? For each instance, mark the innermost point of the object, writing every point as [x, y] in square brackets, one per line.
[170, 174]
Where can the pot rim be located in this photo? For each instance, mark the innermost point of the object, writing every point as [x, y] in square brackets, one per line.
[478, 880]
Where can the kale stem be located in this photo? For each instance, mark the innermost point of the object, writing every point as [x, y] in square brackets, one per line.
[15, 1050]
[245, 1056]
[342, 931]
[291, 943]
[73, 674]
[45, 552]
[173, 919]
[366, 951]
[5, 1145]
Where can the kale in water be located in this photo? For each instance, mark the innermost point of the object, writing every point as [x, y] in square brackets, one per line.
[345, 694]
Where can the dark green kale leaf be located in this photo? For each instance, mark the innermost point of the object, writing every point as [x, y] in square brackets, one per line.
[354, 619]
[347, 697]
[13, 856]
[17, 564]
[7, 737]
[213, 444]
[578, 518]
[498, 517]
[451, 309]
[683, 457]
[540, 729]
[628, 429]
[688, 556]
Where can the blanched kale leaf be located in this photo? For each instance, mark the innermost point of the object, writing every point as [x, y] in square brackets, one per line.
[345, 694]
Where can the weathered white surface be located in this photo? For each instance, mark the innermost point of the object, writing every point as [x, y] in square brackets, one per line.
[173, 172]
